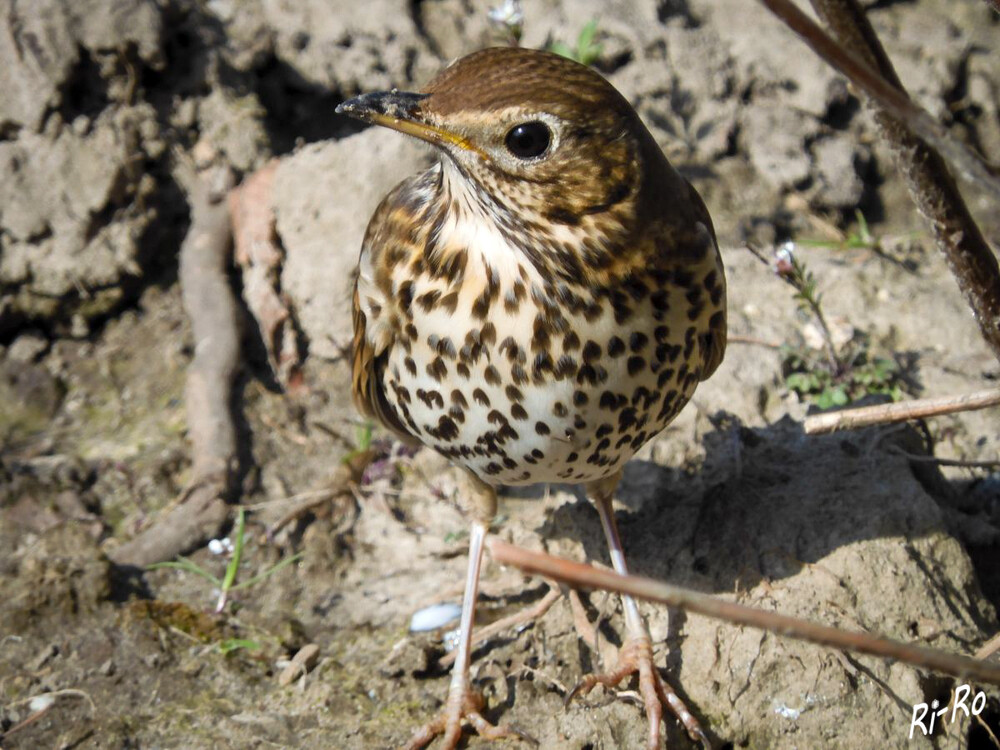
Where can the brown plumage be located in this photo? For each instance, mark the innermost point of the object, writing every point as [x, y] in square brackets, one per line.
[539, 303]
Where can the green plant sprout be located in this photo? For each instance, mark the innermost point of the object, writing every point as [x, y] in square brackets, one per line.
[585, 51]
[229, 645]
[843, 376]
[227, 583]
[859, 239]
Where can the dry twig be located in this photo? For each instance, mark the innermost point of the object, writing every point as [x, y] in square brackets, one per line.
[866, 416]
[580, 574]
[209, 302]
[521, 617]
[258, 253]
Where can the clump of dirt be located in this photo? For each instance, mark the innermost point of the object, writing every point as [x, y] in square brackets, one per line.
[848, 530]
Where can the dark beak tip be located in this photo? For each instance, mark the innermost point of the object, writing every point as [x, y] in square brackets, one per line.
[391, 103]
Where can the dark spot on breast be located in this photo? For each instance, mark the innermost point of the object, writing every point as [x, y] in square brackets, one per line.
[637, 341]
[514, 394]
[604, 429]
[509, 462]
[410, 365]
[635, 287]
[566, 367]
[541, 428]
[571, 341]
[458, 398]
[559, 409]
[580, 398]
[480, 397]
[507, 432]
[449, 302]
[492, 375]
[660, 300]
[481, 306]
[664, 377]
[488, 334]
[635, 364]
[573, 456]
[457, 414]
[615, 347]
[493, 468]
[446, 430]
[463, 370]
[406, 296]
[662, 334]
[626, 418]
[495, 417]
[541, 365]
[587, 374]
[518, 375]
[428, 300]
[437, 369]
[591, 351]
[517, 412]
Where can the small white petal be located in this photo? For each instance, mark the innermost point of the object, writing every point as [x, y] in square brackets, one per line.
[434, 617]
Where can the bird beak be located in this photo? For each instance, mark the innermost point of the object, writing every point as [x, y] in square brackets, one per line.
[401, 111]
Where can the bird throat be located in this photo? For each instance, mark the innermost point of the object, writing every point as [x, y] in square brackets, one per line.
[505, 224]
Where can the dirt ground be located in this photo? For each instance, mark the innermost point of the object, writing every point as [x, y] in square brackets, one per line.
[732, 499]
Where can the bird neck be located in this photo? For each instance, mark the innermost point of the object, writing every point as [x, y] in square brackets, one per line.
[507, 230]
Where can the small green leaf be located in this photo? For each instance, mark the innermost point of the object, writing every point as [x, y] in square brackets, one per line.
[234, 561]
[234, 644]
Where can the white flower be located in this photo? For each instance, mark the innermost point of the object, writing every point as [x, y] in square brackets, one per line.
[508, 13]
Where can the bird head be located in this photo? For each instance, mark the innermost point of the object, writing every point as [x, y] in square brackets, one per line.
[532, 134]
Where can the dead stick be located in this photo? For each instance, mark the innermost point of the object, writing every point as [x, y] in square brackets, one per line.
[587, 576]
[913, 135]
[866, 416]
[518, 618]
[211, 307]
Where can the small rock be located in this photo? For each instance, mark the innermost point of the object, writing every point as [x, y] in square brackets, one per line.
[28, 347]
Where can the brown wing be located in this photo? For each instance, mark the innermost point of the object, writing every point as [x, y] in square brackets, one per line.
[389, 239]
[713, 343]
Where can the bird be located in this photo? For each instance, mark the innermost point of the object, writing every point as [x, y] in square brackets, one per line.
[535, 306]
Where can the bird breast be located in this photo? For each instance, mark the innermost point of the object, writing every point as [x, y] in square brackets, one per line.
[524, 378]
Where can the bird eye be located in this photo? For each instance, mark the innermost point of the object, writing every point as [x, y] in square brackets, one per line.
[528, 140]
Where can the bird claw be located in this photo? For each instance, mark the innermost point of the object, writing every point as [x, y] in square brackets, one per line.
[637, 657]
[449, 723]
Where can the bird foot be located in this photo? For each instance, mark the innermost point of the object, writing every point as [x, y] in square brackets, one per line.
[637, 657]
[463, 706]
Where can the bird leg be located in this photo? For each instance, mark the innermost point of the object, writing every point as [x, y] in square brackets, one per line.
[464, 703]
[637, 653]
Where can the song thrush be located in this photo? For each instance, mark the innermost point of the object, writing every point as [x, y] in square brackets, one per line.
[536, 305]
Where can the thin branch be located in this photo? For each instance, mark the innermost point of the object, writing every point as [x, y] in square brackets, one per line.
[521, 617]
[937, 461]
[211, 307]
[866, 416]
[587, 576]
